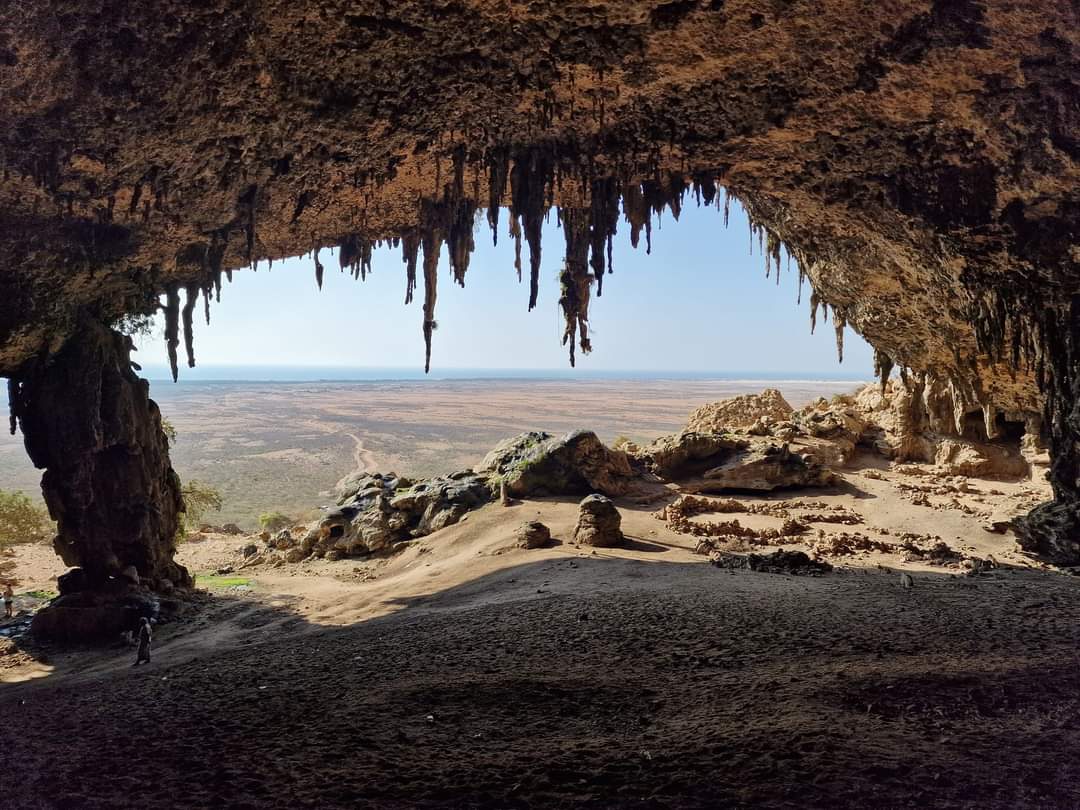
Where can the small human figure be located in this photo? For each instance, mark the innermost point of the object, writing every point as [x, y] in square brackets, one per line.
[9, 601]
[145, 637]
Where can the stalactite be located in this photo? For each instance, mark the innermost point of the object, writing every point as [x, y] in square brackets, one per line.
[410, 247]
[603, 222]
[319, 269]
[814, 301]
[575, 281]
[191, 293]
[839, 322]
[432, 241]
[459, 240]
[530, 177]
[13, 404]
[172, 326]
[515, 231]
[883, 367]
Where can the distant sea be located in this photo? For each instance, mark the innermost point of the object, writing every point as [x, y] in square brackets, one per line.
[308, 374]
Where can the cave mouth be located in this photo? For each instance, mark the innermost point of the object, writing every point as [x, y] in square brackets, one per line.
[124, 518]
[921, 170]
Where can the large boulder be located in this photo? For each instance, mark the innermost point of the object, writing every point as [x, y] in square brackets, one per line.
[538, 463]
[740, 413]
[690, 453]
[979, 459]
[599, 523]
[93, 616]
[763, 468]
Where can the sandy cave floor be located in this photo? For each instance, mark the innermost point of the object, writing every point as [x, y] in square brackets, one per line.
[464, 672]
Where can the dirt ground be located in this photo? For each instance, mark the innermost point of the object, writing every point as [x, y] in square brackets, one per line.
[464, 672]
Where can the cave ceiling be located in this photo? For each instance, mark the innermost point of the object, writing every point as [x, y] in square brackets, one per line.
[921, 160]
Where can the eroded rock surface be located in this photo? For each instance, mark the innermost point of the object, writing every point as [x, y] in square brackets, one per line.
[542, 464]
[89, 421]
[599, 523]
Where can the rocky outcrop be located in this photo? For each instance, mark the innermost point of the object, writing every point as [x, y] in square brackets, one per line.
[542, 464]
[376, 512]
[88, 420]
[717, 462]
[599, 523]
[740, 412]
[763, 468]
[689, 453]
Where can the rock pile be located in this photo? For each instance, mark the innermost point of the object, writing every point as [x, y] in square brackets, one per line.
[599, 523]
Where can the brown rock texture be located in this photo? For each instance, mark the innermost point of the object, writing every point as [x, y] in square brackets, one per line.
[533, 534]
[740, 412]
[918, 158]
[89, 421]
[599, 523]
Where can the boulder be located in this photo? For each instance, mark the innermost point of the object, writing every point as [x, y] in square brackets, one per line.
[689, 453]
[231, 528]
[979, 459]
[745, 412]
[532, 534]
[538, 463]
[295, 555]
[763, 468]
[599, 523]
[89, 616]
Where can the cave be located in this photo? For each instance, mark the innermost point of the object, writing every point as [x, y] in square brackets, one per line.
[919, 160]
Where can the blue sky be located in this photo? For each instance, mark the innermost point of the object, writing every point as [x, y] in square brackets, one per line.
[699, 303]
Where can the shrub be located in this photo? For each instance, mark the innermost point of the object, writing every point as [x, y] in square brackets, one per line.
[274, 522]
[20, 520]
[169, 431]
[199, 498]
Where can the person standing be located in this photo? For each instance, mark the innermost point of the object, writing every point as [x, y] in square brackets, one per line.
[9, 601]
[145, 637]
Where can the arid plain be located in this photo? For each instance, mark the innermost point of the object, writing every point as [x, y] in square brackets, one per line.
[283, 446]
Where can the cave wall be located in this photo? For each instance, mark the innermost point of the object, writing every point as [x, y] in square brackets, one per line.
[88, 421]
[919, 158]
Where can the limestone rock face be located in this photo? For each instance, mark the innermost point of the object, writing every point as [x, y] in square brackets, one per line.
[689, 453]
[763, 468]
[88, 419]
[740, 412]
[599, 523]
[539, 463]
[979, 460]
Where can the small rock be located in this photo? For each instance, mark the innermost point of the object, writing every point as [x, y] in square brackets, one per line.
[533, 534]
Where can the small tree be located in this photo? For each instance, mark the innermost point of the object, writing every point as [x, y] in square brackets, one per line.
[20, 520]
[274, 522]
[199, 498]
[169, 431]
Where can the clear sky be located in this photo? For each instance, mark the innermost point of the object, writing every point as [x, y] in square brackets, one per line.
[699, 303]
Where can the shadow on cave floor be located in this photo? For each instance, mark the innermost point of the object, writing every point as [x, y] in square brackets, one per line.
[676, 685]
